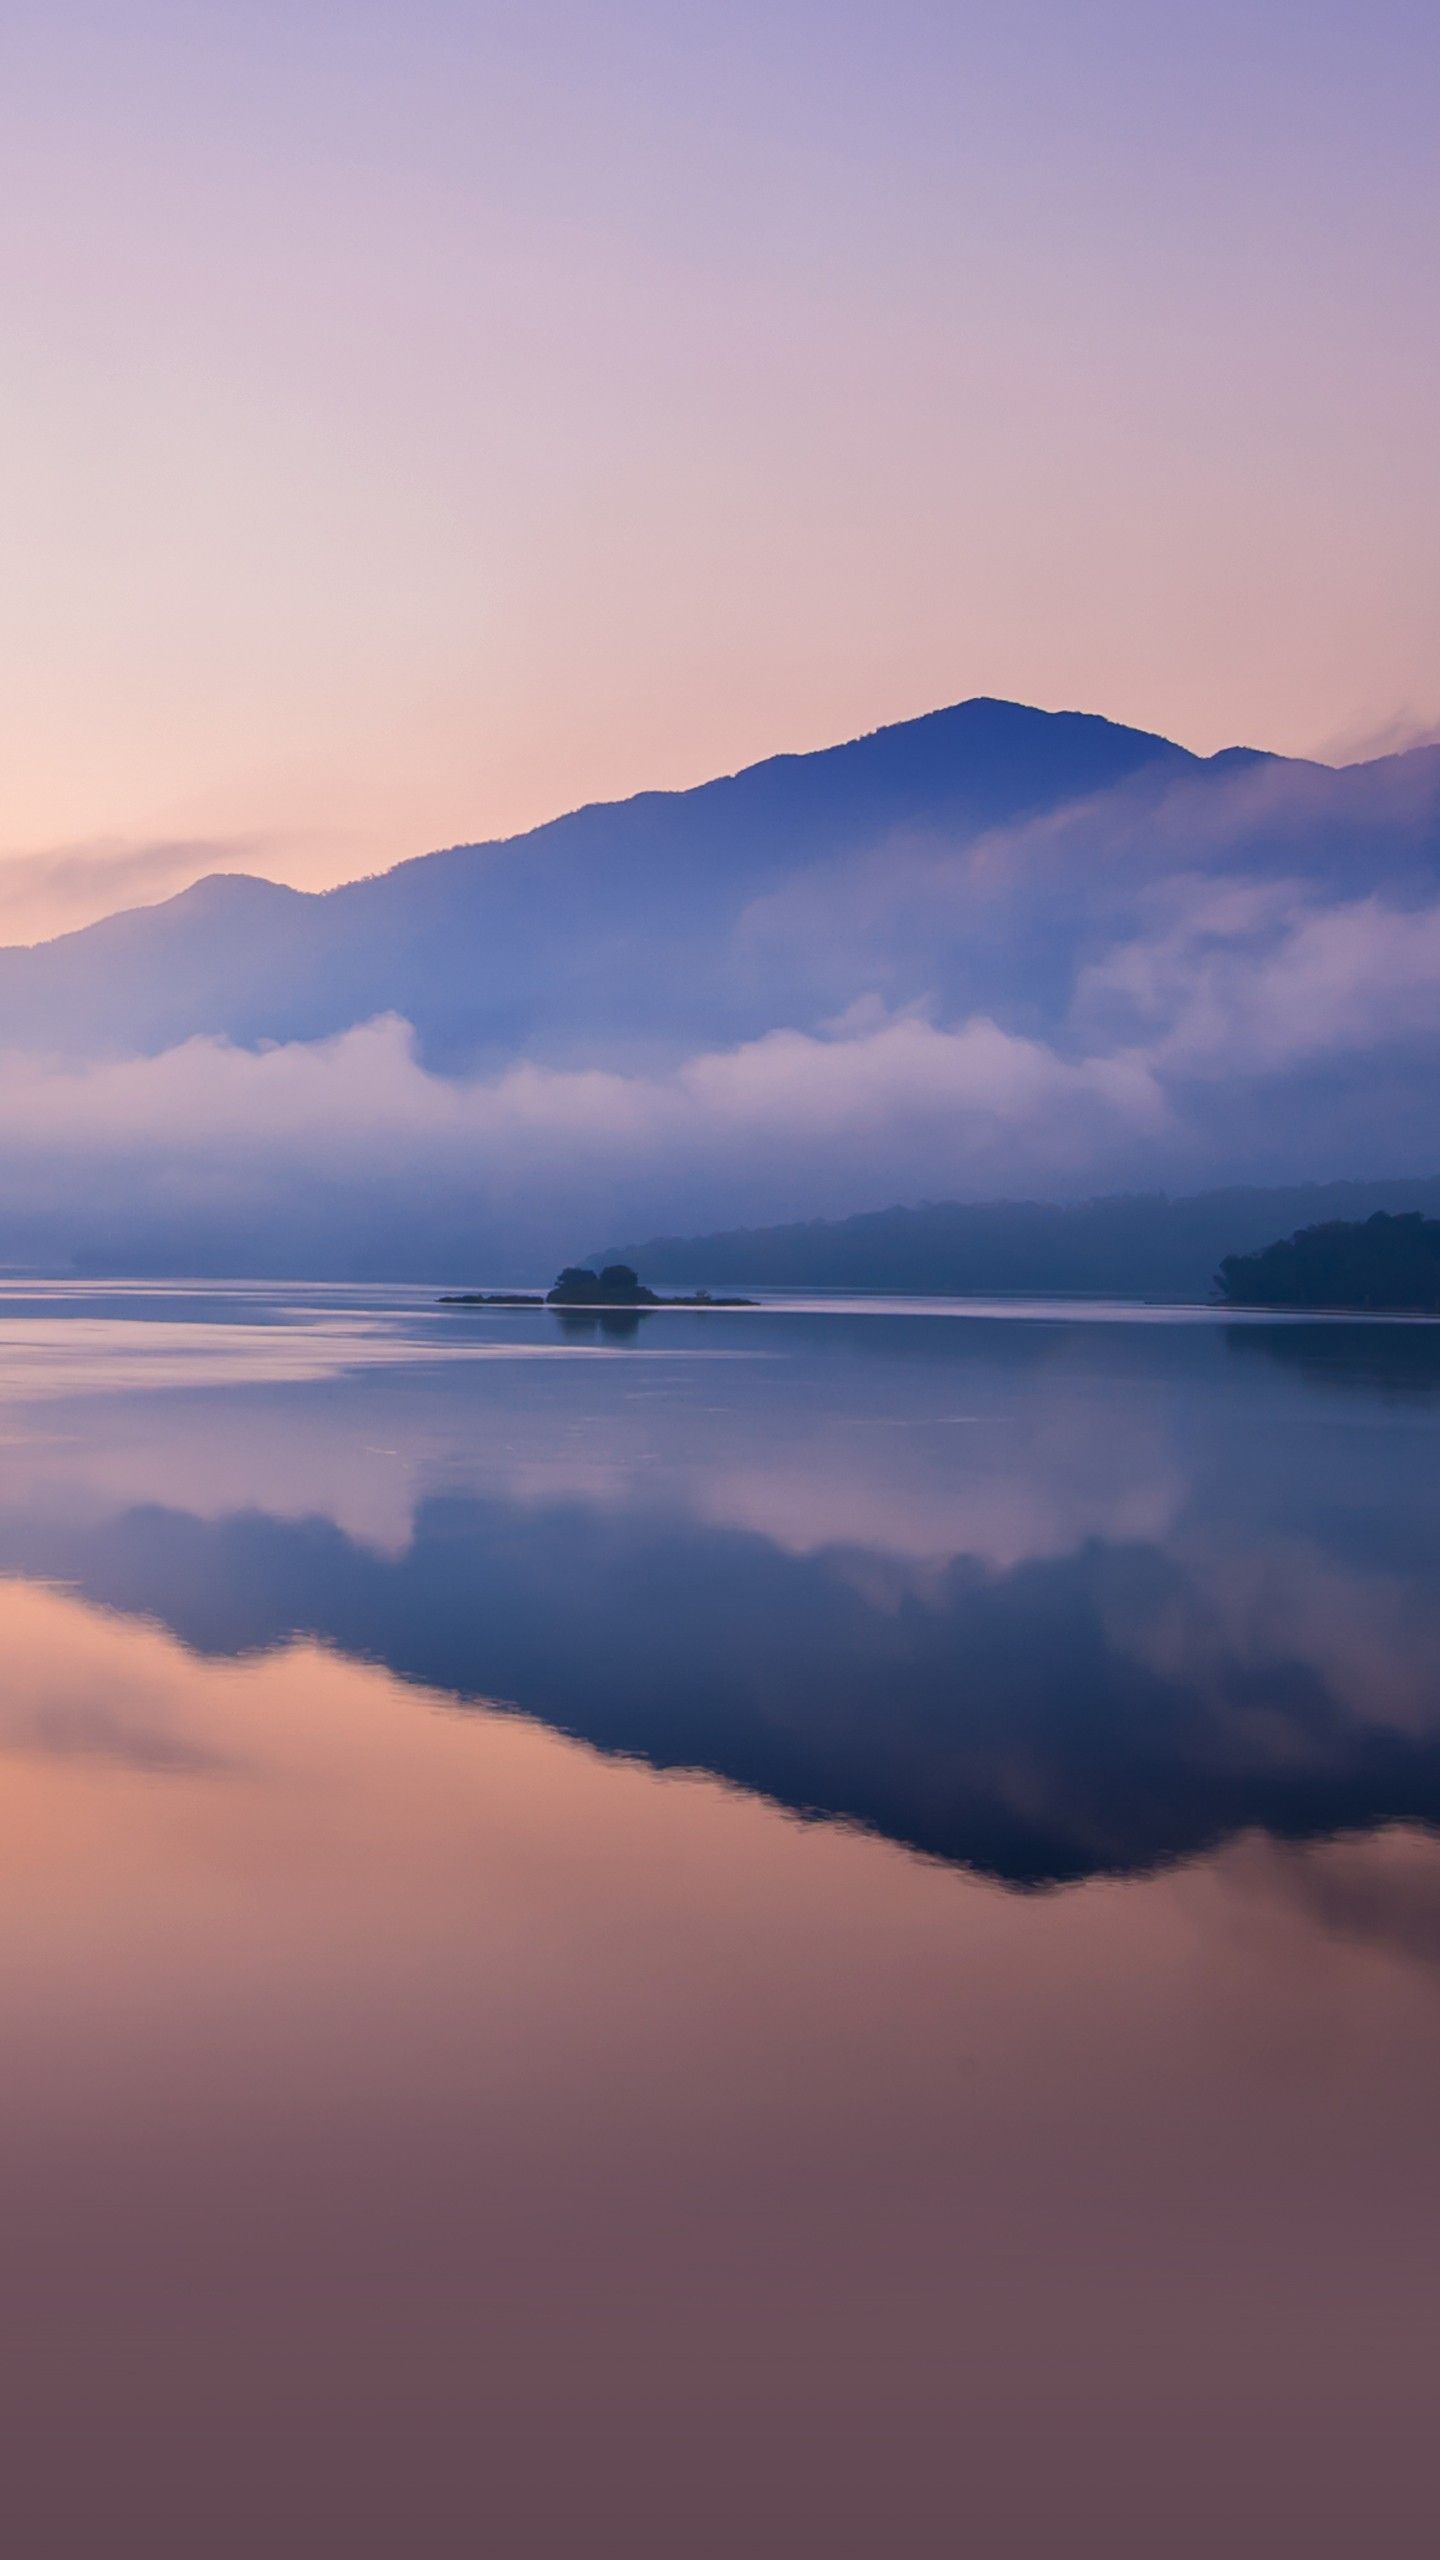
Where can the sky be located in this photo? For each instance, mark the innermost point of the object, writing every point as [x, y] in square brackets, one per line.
[418, 420]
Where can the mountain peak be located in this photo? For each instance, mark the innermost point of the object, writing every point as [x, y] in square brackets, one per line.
[222, 890]
[777, 895]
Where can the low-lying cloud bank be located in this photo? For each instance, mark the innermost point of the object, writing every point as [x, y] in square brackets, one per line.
[1246, 1031]
[352, 1143]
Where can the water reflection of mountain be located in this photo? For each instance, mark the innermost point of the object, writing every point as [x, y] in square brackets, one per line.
[1103, 1711]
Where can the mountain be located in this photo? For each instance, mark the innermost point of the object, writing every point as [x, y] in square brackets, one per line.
[994, 953]
[774, 895]
[571, 932]
[1126, 1246]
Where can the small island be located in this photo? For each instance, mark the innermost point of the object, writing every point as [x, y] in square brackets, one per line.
[616, 1286]
[1382, 1265]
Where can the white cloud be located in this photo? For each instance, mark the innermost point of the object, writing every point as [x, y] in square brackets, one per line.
[1194, 1049]
[207, 1122]
[1246, 978]
[1363, 976]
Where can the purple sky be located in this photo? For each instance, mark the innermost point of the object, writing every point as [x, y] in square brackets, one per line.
[421, 418]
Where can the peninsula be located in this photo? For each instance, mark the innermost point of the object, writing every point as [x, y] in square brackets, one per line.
[1377, 1266]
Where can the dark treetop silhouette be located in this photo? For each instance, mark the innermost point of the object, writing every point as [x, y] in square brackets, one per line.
[1383, 1264]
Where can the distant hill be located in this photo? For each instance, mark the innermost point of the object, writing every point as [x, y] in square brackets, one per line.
[1123, 1246]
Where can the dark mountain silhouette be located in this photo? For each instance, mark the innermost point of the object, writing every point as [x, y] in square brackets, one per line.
[485, 946]
[1124, 1246]
[677, 918]
[987, 952]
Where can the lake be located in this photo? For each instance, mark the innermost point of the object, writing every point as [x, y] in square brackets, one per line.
[804, 1931]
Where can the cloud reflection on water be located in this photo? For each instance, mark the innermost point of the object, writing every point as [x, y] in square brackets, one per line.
[1046, 1599]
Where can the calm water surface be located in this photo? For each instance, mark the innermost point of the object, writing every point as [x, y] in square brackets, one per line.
[798, 1933]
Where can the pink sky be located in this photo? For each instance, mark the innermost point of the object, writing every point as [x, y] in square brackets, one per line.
[418, 421]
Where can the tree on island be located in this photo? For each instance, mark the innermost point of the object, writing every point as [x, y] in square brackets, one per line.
[1382, 1266]
[616, 1286]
